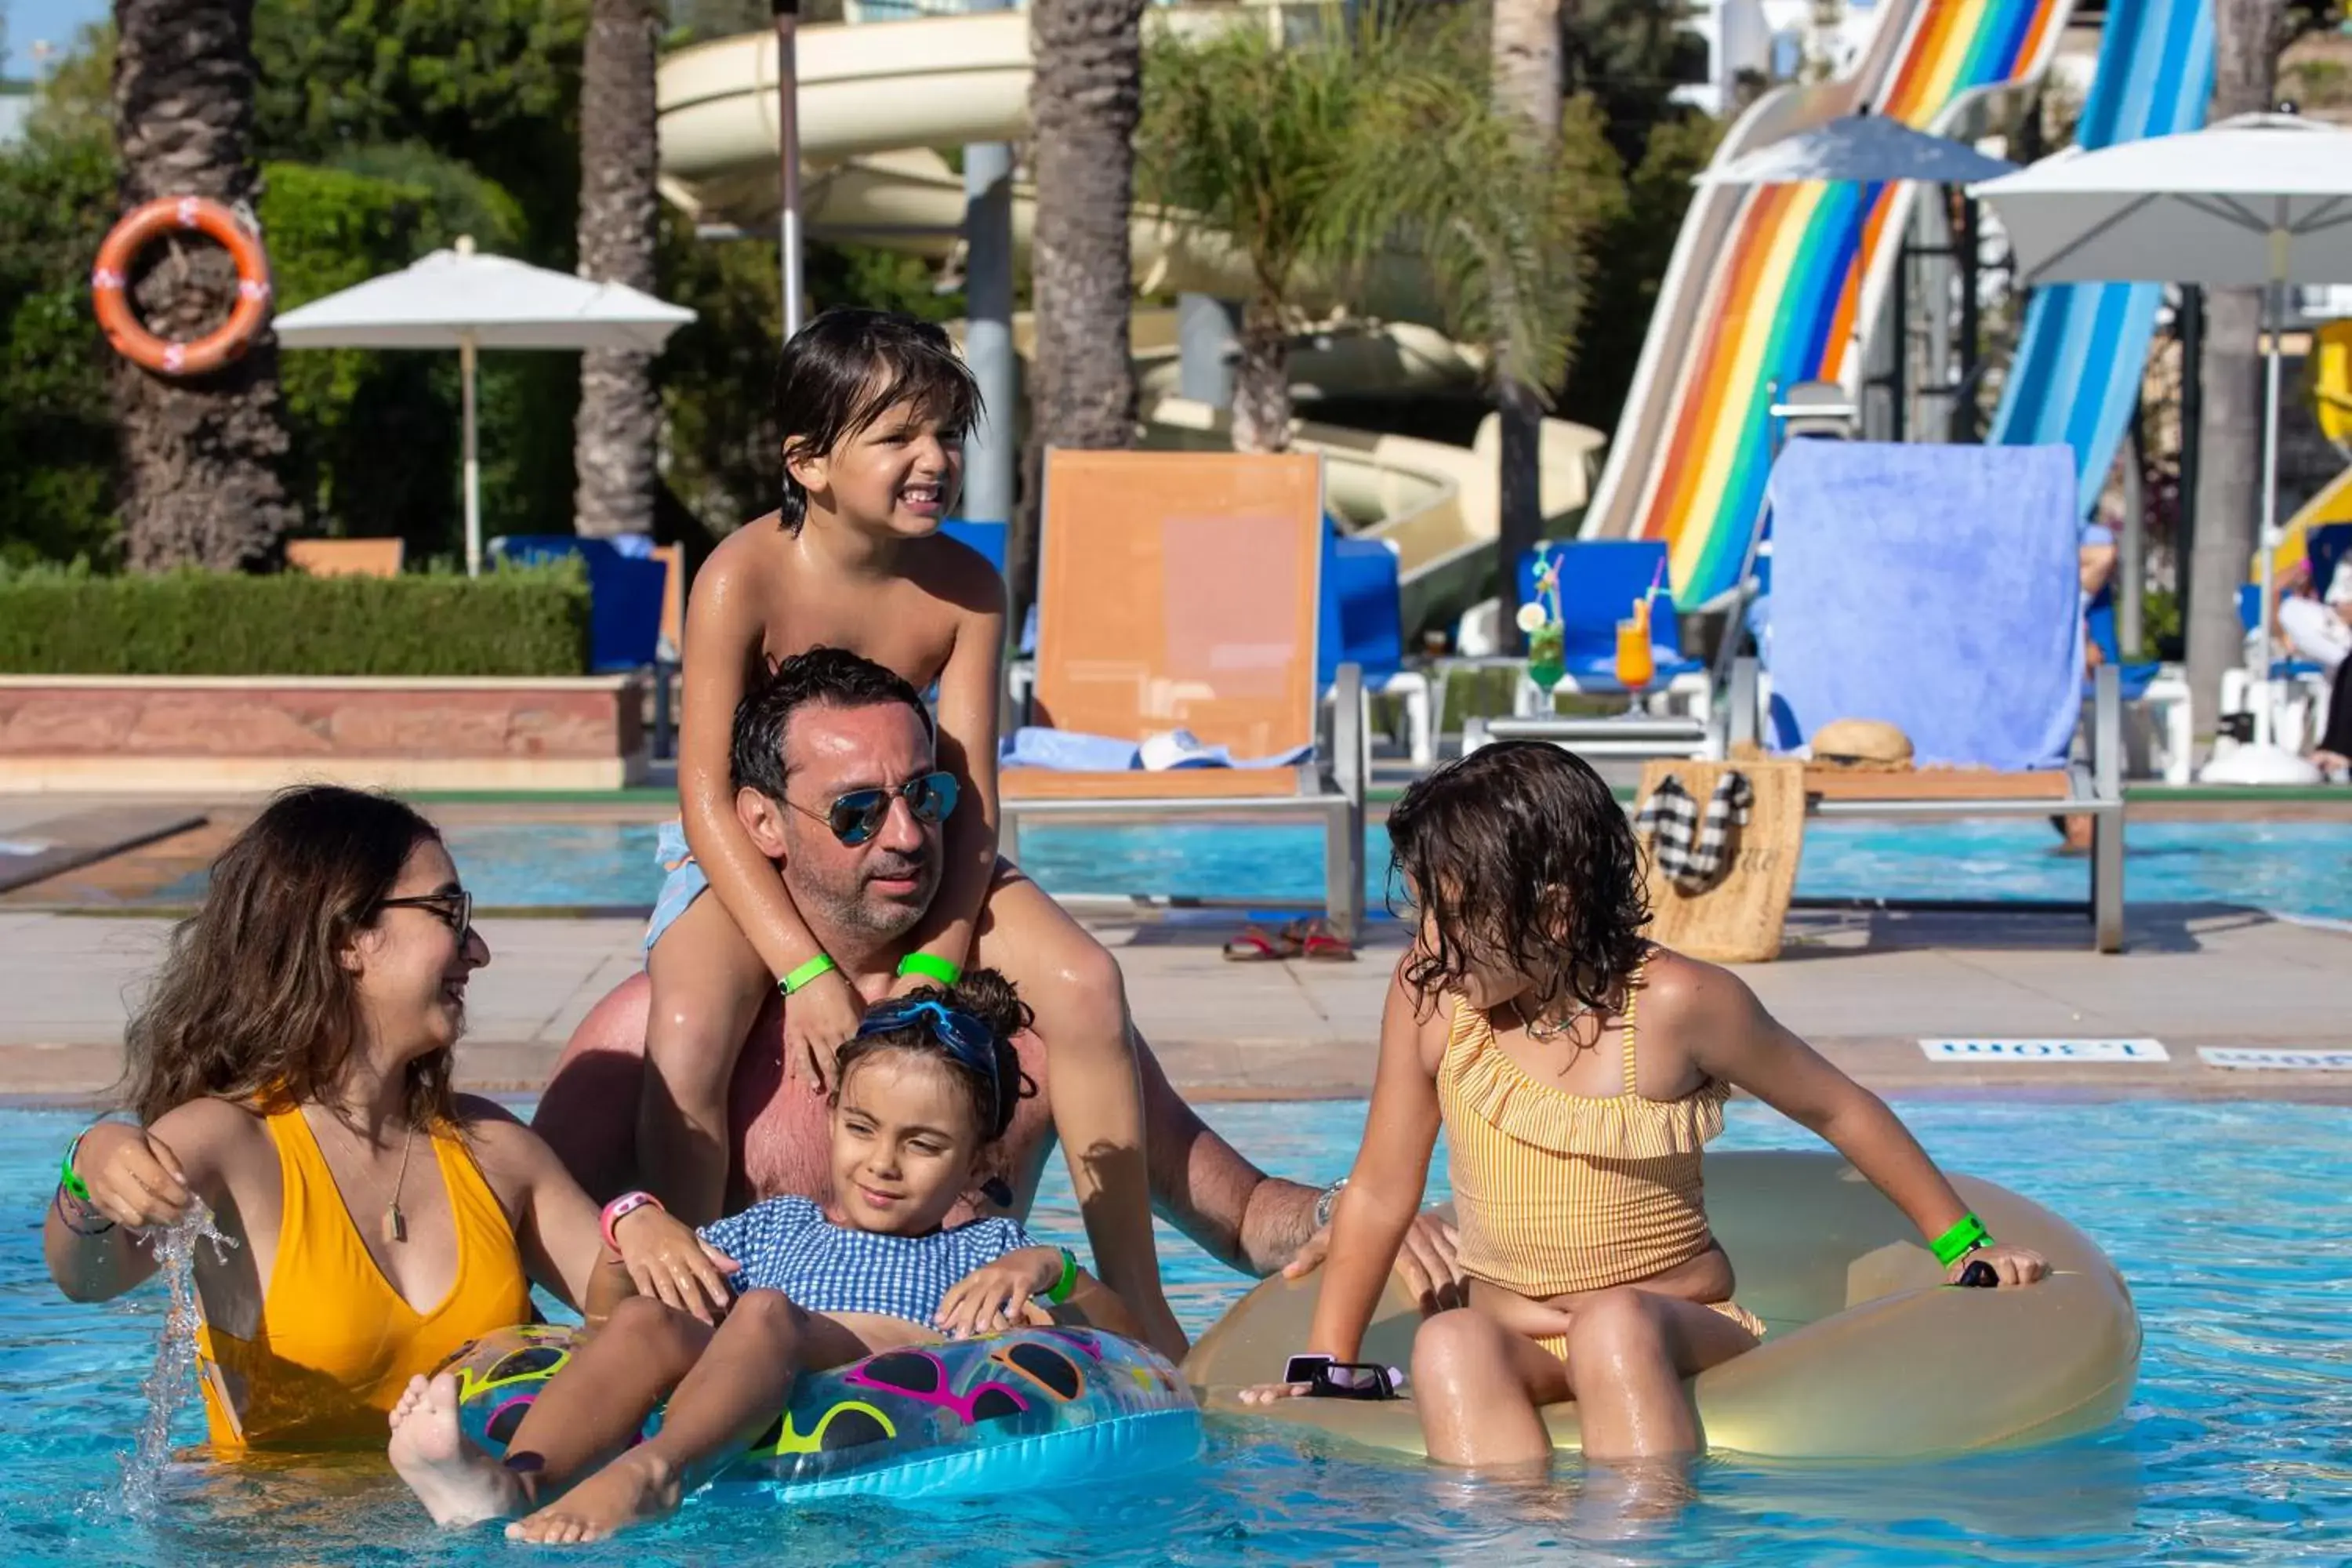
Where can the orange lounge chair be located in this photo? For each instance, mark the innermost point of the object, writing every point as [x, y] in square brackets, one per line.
[345, 557]
[1181, 589]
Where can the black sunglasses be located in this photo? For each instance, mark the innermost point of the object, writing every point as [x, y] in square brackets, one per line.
[858, 816]
[455, 910]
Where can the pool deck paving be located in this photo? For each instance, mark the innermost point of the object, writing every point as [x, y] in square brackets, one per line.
[1864, 987]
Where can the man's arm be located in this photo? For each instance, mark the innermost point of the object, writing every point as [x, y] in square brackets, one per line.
[1201, 1184]
[1255, 1222]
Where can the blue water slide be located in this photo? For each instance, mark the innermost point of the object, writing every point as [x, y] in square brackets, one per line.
[2078, 365]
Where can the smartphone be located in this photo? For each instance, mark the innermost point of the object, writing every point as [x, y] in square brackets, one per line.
[1368, 1380]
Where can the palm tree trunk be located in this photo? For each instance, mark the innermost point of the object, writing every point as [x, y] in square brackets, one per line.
[2229, 472]
[1526, 67]
[616, 432]
[200, 454]
[1262, 380]
[1084, 100]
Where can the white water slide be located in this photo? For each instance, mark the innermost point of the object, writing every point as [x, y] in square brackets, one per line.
[875, 98]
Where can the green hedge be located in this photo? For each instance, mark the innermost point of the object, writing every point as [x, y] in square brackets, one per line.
[513, 621]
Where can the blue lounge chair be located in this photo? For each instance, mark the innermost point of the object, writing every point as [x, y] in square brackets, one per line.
[1937, 588]
[625, 593]
[1363, 624]
[628, 593]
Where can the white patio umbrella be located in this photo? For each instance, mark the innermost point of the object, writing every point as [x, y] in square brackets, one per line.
[1862, 148]
[464, 300]
[2261, 199]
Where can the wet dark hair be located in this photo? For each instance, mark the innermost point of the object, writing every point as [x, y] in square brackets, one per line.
[988, 997]
[850, 366]
[253, 1004]
[1523, 859]
[832, 676]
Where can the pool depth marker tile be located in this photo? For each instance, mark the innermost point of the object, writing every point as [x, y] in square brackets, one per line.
[2046, 1050]
[2262, 1059]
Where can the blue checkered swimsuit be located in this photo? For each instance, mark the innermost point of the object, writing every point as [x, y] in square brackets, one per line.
[787, 1243]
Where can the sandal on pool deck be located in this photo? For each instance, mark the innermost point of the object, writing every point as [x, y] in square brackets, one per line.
[1252, 945]
[1319, 942]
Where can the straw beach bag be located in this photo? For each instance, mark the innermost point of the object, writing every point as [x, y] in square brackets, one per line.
[1737, 917]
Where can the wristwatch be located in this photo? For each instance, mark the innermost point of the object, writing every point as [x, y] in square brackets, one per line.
[1325, 1202]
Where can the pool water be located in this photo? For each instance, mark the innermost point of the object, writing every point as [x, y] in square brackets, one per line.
[2298, 868]
[2236, 1446]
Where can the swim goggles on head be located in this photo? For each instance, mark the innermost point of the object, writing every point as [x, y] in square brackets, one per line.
[969, 1041]
[858, 816]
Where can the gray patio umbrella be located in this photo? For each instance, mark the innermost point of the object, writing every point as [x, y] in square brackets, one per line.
[463, 300]
[1863, 148]
[2259, 200]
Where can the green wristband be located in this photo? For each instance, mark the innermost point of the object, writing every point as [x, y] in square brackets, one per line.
[73, 1184]
[820, 964]
[930, 967]
[1068, 1281]
[1960, 1240]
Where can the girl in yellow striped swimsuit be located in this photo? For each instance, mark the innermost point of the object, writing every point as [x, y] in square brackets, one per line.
[1578, 1071]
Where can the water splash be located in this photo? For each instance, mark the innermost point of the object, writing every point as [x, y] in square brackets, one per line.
[169, 1381]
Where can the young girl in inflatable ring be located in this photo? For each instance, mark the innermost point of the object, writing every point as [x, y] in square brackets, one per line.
[1578, 1069]
[923, 1093]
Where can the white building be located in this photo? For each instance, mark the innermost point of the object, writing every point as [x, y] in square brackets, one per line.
[1777, 40]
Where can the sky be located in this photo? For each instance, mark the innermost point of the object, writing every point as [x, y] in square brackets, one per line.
[55, 20]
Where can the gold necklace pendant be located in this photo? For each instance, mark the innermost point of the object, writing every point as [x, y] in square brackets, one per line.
[395, 1224]
[1543, 1033]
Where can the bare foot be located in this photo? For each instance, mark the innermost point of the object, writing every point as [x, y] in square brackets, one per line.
[635, 1487]
[456, 1483]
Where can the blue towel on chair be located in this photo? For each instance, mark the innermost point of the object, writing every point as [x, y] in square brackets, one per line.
[1064, 750]
[1934, 588]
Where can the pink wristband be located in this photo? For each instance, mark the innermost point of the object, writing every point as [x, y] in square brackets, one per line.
[621, 1208]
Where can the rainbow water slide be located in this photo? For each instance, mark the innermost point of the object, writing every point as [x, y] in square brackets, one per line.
[1777, 284]
[2076, 373]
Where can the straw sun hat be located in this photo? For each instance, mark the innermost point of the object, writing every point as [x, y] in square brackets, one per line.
[1865, 744]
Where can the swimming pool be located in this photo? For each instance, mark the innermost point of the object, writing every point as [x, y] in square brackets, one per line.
[2298, 868]
[2226, 1219]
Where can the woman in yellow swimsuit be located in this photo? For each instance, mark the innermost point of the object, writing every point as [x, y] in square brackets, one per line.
[291, 1071]
[1578, 1069]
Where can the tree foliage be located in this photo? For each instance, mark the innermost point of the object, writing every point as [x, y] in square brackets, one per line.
[57, 432]
[1249, 136]
[1377, 142]
[1506, 230]
[492, 84]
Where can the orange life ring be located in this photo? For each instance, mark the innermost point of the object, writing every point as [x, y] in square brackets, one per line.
[110, 280]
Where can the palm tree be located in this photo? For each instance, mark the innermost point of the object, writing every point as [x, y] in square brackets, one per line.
[200, 455]
[2247, 40]
[619, 422]
[1084, 100]
[1502, 218]
[1526, 72]
[1379, 140]
[1247, 136]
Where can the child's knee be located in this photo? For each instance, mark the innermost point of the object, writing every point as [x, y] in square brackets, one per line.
[663, 1330]
[1453, 1343]
[771, 1313]
[1614, 1327]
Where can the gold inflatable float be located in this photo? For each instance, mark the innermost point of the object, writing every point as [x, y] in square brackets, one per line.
[1869, 1354]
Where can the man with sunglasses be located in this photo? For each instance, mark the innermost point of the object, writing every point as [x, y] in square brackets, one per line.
[838, 783]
